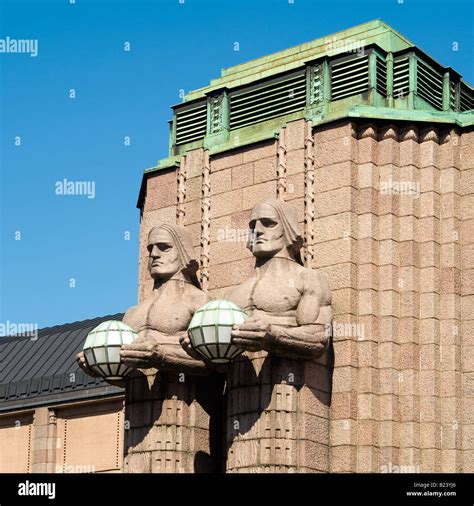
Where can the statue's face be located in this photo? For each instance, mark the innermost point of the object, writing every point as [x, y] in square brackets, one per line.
[267, 231]
[163, 260]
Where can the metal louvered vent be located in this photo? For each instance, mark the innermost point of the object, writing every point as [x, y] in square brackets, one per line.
[466, 99]
[268, 100]
[453, 96]
[429, 85]
[381, 81]
[349, 77]
[316, 84]
[191, 123]
[401, 78]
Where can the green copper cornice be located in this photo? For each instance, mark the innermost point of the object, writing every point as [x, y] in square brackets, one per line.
[171, 162]
[370, 66]
[373, 32]
[369, 71]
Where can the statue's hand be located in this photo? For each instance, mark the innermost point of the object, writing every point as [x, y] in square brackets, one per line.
[252, 335]
[185, 343]
[81, 361]
[143, 353]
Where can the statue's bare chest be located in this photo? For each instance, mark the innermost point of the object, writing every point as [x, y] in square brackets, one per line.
[162, 314]
[270, 293]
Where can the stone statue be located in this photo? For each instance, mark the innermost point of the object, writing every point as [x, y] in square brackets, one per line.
[289, 306]
[163, 319]
[171, 399]
[277, 393]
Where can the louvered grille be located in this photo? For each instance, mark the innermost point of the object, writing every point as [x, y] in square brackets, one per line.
[401, 77]
[466, 101]
[429, 85]
[349, 77]
[453, 96]
[267, 101]
[316, 83]
[381, 81]
[191, 123]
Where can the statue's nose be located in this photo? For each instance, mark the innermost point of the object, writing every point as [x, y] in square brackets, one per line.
[259, 229]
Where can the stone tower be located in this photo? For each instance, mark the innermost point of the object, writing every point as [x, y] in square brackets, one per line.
[373, 142]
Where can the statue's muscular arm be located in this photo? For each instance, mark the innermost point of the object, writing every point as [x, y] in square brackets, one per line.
[313, 316]
[307, 340]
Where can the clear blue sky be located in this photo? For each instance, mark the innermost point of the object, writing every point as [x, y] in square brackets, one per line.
[173, 46]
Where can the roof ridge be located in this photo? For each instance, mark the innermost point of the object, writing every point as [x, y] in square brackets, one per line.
[63, 327]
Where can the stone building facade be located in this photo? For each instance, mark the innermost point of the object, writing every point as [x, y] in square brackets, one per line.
[383, 184]
[53, 417]
[372, 141]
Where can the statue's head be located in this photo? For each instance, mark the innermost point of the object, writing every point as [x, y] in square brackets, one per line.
[274, 226]
[170, 251]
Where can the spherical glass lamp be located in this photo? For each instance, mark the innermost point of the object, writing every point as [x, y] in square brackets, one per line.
[102, 349]
[210, 327]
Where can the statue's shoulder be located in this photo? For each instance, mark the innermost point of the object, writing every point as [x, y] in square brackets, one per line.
[132, 315]
[132, 310]
[197, 296]
[141, 308]
[238, 294]
[316, 280]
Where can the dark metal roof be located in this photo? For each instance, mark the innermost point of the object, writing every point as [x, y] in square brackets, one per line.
[42, 369]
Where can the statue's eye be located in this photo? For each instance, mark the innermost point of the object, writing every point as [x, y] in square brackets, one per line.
[267, 222]
[164, 247]
[252, 224]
